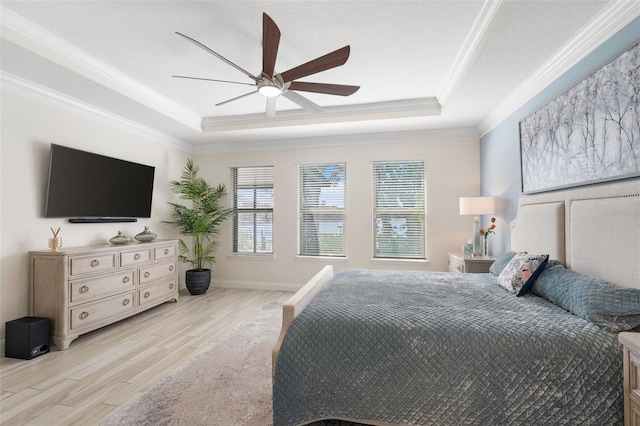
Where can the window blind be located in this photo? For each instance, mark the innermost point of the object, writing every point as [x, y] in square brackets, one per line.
[252, 209]
[321, 209]
[399, 213]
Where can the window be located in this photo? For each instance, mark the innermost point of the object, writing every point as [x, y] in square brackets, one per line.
[399, 191]
[321, 209]
[252, 209]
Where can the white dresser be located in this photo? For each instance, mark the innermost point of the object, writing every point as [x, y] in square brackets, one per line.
[81, 289]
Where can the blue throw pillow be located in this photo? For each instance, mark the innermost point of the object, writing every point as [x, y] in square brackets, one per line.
[497, 266]
[551, 263]
[600, 302]
[521, 272]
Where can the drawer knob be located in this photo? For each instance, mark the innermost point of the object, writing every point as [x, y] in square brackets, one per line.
[166, 251]
[84, 315]
[146, 295]
[171, 286]
[136, 256]
[171, 268]
[94, 263]
[125, 302]
[125, 280]
[84, 289]
[147, 274]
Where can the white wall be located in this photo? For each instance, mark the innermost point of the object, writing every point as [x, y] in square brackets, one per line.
[28, 129]
[453, 169]
[30, 126]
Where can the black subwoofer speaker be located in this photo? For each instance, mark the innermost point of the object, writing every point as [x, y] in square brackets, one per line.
[27, 337]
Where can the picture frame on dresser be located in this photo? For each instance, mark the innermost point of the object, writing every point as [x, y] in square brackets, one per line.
[81, 289]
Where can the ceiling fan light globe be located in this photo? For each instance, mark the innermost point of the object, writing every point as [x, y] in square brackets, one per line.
[269, 91]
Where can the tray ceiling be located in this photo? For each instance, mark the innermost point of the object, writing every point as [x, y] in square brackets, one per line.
[422, 65]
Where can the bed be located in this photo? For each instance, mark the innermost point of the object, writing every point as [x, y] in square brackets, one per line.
[430, 348]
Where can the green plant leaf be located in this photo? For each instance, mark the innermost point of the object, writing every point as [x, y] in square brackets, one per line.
[202, 220]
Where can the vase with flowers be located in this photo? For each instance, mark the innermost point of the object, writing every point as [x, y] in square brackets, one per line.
[485, 235]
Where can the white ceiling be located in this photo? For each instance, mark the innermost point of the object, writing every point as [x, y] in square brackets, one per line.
[423, 66]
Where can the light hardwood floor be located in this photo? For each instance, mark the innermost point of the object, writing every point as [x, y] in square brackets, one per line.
[107, 368]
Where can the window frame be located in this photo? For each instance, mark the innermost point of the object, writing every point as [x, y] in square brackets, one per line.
[320, 211]
[418, 211]
[254, 210]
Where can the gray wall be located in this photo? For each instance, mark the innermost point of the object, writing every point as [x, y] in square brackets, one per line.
[500, 149]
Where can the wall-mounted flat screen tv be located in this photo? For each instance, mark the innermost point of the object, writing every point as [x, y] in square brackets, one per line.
[88, 187]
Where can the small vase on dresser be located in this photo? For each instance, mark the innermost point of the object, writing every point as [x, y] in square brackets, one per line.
[145, 236]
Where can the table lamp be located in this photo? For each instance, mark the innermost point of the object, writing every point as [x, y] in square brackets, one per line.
[477, 206]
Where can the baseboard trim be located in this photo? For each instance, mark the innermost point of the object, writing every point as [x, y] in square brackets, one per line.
[256, 285]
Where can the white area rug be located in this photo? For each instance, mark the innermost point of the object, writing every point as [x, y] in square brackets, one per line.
[229, 383]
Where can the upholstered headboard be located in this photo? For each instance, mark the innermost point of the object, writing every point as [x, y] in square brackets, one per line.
[593, 230]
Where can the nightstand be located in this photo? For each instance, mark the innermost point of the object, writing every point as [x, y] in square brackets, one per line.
[467, 263]
[631, 361]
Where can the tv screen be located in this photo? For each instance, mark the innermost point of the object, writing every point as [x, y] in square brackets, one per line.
[95, 188]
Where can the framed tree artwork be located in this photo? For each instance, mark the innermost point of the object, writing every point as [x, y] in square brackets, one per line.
[589, 134]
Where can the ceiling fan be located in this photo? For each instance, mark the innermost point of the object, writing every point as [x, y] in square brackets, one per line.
[271, 84]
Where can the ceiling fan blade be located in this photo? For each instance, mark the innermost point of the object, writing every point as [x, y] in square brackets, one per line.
[211, 79]
[328, 61]
[236, 98]
[271, 108]
[329, 89]
[303, 102]
[270, 43]
[217, 55]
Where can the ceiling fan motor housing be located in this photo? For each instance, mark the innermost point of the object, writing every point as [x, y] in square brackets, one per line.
[270, 88]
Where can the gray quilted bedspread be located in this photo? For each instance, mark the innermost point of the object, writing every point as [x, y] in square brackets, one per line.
[425, 348]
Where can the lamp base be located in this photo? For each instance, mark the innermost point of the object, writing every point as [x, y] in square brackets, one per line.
[477, 238]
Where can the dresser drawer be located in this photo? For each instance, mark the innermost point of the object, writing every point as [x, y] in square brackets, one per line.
[151, 294]
[151, 273]
[90, 288]
[92, 312]
[135, 257]
[455, 266]
[83, 265]
[634, 377]
[165, 252]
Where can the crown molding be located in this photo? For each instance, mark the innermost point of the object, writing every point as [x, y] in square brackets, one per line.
[470, 48]
[30, 90]
[423, 107]
[32, 37]
[615, 16]
[339, 140]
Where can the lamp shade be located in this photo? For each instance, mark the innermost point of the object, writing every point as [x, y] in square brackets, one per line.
[477, 205]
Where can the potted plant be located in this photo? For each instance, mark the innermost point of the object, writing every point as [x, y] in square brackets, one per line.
[201, 221]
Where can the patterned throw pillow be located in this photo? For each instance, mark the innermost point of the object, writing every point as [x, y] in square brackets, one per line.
[501, 262]
[520, 273]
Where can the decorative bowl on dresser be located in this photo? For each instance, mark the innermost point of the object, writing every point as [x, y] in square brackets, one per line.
[81, 289]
